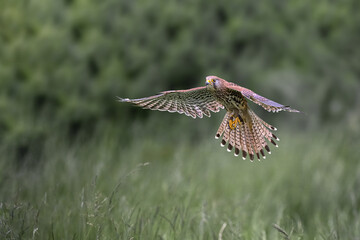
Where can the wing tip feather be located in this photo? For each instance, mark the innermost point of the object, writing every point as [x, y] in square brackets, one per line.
[289, 109]
[122, 99]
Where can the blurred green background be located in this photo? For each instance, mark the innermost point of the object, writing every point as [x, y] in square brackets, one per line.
[69, 149]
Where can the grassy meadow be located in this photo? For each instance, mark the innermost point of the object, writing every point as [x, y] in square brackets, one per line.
[159, 188]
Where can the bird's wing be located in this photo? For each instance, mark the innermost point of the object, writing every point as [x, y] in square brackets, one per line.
[194, 102]
[267, 104]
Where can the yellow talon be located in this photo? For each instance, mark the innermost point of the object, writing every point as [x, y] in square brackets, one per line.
[233, 124]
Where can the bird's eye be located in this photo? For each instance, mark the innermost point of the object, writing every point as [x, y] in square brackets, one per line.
[215, 82]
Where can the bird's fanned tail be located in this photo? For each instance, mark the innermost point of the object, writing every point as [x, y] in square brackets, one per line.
[249, 137]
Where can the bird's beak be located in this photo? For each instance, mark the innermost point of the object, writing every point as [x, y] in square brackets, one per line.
[209, 81]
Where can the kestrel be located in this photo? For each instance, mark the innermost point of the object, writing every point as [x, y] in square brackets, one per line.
[241, 128]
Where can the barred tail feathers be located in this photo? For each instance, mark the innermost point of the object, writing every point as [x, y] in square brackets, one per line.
[249, 135]
[223, 125]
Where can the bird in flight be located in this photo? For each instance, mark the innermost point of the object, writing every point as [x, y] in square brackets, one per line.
[241, 128]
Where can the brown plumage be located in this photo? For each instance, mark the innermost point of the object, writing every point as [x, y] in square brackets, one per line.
[241, 128]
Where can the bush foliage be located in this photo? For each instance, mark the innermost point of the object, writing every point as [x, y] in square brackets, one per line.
[63, 62]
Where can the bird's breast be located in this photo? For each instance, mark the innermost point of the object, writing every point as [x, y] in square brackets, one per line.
[232, 101]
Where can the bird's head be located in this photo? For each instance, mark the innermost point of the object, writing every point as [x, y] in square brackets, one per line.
[213, 82]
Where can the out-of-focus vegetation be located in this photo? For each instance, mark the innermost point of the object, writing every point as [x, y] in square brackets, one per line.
[63, 62]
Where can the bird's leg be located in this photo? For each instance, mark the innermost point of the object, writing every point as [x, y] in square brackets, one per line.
[233, 123]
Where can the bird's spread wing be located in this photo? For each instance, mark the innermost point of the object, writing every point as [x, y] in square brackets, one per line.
[194, 102]
[267, 104]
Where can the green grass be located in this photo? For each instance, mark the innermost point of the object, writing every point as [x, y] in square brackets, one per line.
[156, 189]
